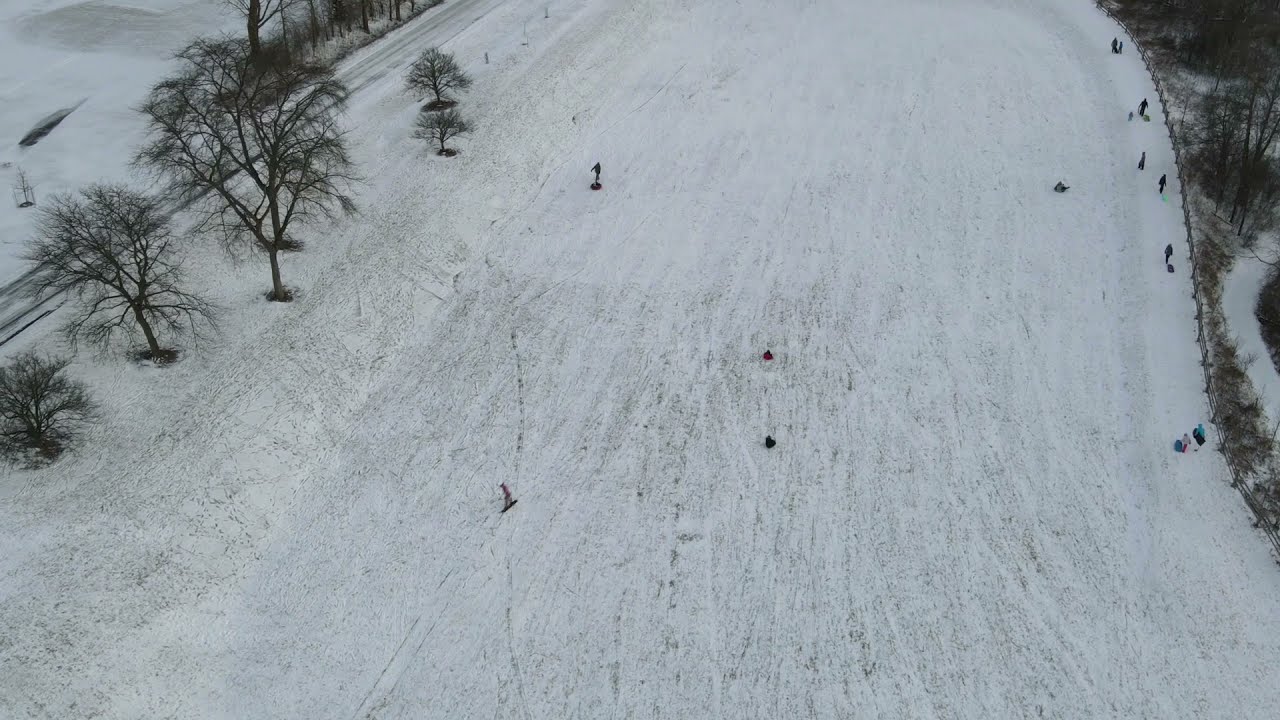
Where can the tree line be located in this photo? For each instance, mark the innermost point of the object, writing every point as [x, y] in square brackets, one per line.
[254, 150]
[305, 24]
[1233, 122]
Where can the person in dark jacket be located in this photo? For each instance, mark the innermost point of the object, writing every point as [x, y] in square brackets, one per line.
[1142, 107]
[1162, 180]
[596, 170]
[1142, 162]
[1198, 435]
[1115, 46]
[1168, 253]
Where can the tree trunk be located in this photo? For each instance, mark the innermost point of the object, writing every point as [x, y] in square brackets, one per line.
[313, 24]
[364, 15]
[152, 345]
[277, 287]
[251, 25]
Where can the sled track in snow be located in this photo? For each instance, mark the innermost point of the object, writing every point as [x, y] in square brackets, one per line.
[385, 56]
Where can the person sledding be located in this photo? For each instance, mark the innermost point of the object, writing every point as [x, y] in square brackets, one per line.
[507, 500]
[1061, 187]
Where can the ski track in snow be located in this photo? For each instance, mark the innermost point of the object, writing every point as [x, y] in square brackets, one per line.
[973, 509]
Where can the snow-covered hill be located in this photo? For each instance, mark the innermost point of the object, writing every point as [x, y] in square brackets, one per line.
[973, 509]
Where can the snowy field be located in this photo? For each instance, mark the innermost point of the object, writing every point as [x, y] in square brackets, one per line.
[1239, 299]
[973, 511]
[98, 58]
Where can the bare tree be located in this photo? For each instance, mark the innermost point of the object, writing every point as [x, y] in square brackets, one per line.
[41, 410]
[111, 248]
[257, 15]
[1216, 137]
[1260, 97]
[25, 189]
[313, 24]
[260, 150]
[438, 73]
[441, 126]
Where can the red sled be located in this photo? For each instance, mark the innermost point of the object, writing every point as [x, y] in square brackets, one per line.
[596, 186]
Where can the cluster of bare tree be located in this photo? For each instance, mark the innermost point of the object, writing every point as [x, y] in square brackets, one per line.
[307, 23]
[246, 135]
[438, 73]
[253, 148]
[1231, 128]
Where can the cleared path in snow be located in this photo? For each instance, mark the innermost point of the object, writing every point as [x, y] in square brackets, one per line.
[972, 511]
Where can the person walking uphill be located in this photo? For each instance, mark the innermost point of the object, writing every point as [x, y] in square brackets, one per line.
[1162, 179]
[1142, 107]
[1142, 162]
[1168, 253]
[1115, 46]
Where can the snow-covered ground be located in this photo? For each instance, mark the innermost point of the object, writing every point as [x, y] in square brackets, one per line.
[973, 510]
[97, 57]
[1239, 298]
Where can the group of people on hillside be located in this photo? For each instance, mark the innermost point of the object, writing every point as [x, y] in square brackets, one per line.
[1198, 434]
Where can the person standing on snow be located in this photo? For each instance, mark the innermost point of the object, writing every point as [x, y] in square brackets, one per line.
[1115, 47]
[596, 170]
[1168, 253]
[1162, 179]
[1121, 47]
[1186, 442]
[1142, 107]
[1198, 434]
[1142, 162]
